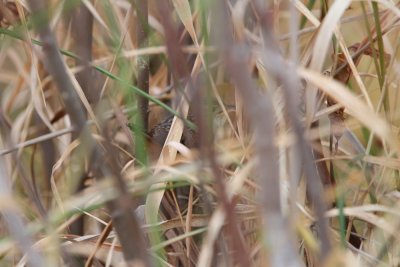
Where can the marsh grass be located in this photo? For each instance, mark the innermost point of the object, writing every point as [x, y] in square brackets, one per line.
[295, 111]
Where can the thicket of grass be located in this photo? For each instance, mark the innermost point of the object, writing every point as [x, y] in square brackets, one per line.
[283, 149]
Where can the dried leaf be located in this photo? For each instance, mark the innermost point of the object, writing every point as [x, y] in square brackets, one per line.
[182, 7]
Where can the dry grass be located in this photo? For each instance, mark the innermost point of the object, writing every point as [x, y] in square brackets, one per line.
[283, 150]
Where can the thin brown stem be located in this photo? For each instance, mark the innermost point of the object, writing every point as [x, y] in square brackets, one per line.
[142, 63]
[82, 27]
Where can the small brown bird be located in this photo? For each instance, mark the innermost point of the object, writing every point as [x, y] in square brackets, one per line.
[158, 134]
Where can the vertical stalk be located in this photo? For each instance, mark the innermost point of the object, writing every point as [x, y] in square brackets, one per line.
[142, 64]
[382, 64]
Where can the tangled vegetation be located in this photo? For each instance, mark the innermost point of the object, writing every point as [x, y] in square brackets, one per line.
[199, 133]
